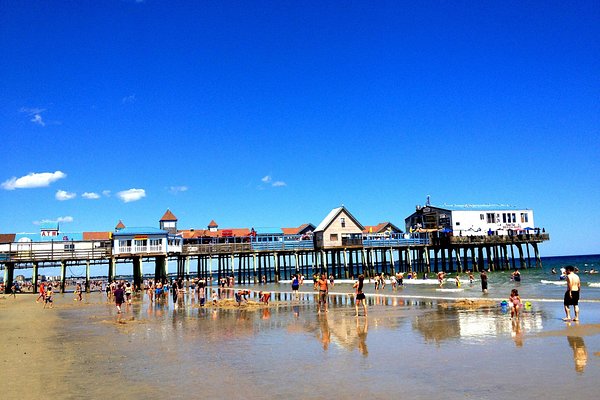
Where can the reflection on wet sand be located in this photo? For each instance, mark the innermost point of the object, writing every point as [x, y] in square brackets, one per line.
[453, 323]
[517, 332]
[580, 355]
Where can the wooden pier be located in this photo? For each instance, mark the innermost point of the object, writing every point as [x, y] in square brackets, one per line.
[250, 260]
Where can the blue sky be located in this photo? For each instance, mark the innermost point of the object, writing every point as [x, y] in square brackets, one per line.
[270, 114]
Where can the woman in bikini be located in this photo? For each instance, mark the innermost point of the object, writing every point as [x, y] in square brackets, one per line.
[360, 296]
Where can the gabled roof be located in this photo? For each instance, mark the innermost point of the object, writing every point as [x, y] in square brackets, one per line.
[168, 216]
[298, 230]
[333, 214]
[96, 235]
[212, 224]
[120, 225]
[7, 237]
[381, 228]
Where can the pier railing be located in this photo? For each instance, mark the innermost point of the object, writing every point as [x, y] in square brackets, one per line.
[499, 239]
[54, 251]
[398, 242]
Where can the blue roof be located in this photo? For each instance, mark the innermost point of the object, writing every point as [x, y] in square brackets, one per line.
[140, 231]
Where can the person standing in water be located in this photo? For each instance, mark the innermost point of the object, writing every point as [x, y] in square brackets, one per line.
[295, 286]
[484, 281]
[515, 303]
[323, 290]
[360, 296]
[119, 296]
[572, 293]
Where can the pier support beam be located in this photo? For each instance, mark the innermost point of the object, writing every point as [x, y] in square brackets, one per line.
[87, 276]
[276, 265]
[160, 270]
[63, 275]
[111, 269]
[35, 276]
[137, 273]
[9, 277]
[427, 261]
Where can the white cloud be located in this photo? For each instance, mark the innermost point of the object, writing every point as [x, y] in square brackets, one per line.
[62, 195]
[32, 111]
[64, 219]
[178, 189]
[129, 99]
[35, 114]
[106, 193]
[90, 195]
[131, 195]
[268, 179]
[33, 180]
[37, 119]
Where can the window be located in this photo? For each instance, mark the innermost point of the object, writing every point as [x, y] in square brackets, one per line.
[458, 223]
[524, 217]
[481, 217]
[504, 217]
[333, 237]
[491, 218]
[343, 221]
[514, 217]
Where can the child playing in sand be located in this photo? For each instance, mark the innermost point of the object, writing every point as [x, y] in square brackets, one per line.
[78, 292]
[265, 297]
[215, 298]
[515, 302]
[48, 297]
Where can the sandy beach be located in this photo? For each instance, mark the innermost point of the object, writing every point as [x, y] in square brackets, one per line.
[424, 349]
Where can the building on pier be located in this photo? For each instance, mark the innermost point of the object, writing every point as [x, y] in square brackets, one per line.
[383, 228]
[304, 230]
[145, 241]
[338, 229]
[471, 220]
[168, 222]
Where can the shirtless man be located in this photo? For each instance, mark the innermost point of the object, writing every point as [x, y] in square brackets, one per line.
[323, 289]
[572, 293]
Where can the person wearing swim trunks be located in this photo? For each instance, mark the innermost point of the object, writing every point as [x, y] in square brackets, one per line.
[572, 293]
[322, 283]
[360, 296]
[48, 299]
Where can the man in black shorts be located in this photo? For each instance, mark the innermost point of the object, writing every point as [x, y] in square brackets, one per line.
[572, 293]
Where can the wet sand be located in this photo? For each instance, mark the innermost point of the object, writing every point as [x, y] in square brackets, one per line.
[422, 349]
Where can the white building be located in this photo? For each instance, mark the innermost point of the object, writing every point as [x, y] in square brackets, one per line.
[145, 241]
[472, 220]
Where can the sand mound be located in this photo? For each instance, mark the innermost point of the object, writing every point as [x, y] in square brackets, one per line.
[468, 304]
